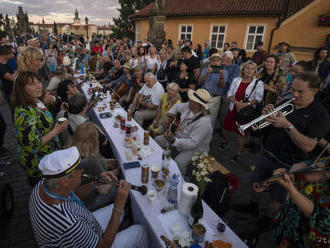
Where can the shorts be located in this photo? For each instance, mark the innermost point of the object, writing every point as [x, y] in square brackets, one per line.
[264, 169]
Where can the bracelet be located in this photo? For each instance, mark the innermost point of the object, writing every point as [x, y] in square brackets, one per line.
[118, 210]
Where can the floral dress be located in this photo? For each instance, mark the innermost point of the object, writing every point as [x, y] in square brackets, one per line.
[31, 123]
[291, 228]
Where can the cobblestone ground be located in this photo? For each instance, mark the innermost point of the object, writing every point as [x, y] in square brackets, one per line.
[17, 231]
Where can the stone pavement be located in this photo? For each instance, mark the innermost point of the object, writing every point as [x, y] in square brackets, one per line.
[17, 231]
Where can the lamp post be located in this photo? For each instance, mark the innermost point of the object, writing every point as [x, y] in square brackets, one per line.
[86, 21]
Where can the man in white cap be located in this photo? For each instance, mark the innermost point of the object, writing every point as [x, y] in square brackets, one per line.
[60, 219]
[194, 132]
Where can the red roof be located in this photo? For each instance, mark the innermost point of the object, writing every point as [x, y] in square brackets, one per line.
[179, 8]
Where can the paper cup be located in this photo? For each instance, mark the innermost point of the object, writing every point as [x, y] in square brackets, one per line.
[61, 120]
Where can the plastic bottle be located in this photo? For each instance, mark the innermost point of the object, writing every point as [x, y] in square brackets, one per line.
[172, 195]
[82, 69]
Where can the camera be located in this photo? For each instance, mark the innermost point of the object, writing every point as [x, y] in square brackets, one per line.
[216, 69]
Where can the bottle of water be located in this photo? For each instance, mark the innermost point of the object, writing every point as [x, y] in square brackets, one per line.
[172, 195]
[82, 69]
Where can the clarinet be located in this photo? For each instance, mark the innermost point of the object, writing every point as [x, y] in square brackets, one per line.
[89, 178]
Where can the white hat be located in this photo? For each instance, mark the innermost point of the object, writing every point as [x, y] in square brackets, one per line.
[61, 162]
[200, 96]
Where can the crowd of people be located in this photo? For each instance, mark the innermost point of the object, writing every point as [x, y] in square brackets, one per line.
[203, 89]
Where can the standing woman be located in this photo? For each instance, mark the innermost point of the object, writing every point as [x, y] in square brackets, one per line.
[151, 60]
[288, 58]
[36, 130]
[241, 96]
[134, 60]
[161, 75]
[31, 59]
[186, 80]
[174, 64]
[274, 83]
[320, 63]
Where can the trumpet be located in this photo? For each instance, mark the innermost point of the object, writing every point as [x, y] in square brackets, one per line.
[260, 123]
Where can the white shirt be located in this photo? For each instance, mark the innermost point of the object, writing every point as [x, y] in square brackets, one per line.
[53, 83]
[192, 135]
[151, 62]
[257, 94]
[152, 95]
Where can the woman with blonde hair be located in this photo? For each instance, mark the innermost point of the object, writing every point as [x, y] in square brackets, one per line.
[168, 100]
[86, 139]
[151, 61]
[244, 91]
[32, 59]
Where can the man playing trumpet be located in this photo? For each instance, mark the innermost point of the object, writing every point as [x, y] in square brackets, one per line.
[286, 141]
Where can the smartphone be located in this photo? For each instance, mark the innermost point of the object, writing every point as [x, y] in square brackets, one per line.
[105, 115]
[131, 165]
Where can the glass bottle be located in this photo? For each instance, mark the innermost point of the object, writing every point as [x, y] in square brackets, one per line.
[196, 212]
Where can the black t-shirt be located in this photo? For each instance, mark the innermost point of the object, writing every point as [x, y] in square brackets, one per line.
[184, 84]
[7, 85]
[313, 122]
[192, 63]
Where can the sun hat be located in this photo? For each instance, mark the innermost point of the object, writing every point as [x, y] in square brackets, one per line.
[200, 96]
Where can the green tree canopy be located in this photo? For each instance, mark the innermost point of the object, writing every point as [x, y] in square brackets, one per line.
[124, 26]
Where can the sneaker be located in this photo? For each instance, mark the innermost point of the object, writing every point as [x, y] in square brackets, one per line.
[223, 146]
[250, 208]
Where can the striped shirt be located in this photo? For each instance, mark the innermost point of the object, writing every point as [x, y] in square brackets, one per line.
[62, 225]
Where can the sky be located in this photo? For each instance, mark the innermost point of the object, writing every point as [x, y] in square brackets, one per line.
[98, 11]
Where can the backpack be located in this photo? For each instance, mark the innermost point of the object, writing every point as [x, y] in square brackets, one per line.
[216, 194]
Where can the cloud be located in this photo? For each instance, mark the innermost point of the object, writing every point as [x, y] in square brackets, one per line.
[98, 11]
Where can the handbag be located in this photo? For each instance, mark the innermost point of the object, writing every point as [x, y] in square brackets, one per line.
[249, 113]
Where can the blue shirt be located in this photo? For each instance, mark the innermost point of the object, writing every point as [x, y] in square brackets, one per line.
[212, 82]
[233, 71]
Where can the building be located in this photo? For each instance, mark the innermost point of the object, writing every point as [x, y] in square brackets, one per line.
[247, 22]
[22, 21]
[104, 30]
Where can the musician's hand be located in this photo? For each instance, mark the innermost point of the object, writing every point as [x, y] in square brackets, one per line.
[267, 109]
[240, 105]
[104, 189]
[279, 121]
[155, 124]
[285, 181]
[122, 194]
[166, 122]
[169, 136]
[209, 69]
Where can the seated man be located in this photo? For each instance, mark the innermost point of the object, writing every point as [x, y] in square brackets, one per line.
[60, 219]
[194, 132]
[147, 100]
[77, 114]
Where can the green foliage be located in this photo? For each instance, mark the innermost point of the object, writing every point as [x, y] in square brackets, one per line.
[124, 26]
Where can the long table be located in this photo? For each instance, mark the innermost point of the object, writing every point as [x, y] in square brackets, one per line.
[144, 212]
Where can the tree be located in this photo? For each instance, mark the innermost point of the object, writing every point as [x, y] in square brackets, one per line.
[124, 26]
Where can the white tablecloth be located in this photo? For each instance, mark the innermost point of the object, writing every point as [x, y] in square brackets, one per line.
[143, 212]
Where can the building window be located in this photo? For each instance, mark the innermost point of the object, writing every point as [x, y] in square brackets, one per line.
[186, 32]
[218, 36]
[255, 34]
[137, 32]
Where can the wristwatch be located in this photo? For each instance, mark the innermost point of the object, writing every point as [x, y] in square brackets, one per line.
[289, 128]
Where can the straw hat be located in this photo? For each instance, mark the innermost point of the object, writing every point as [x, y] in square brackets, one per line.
[200, 96]
[127, 65]
[215, 55]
